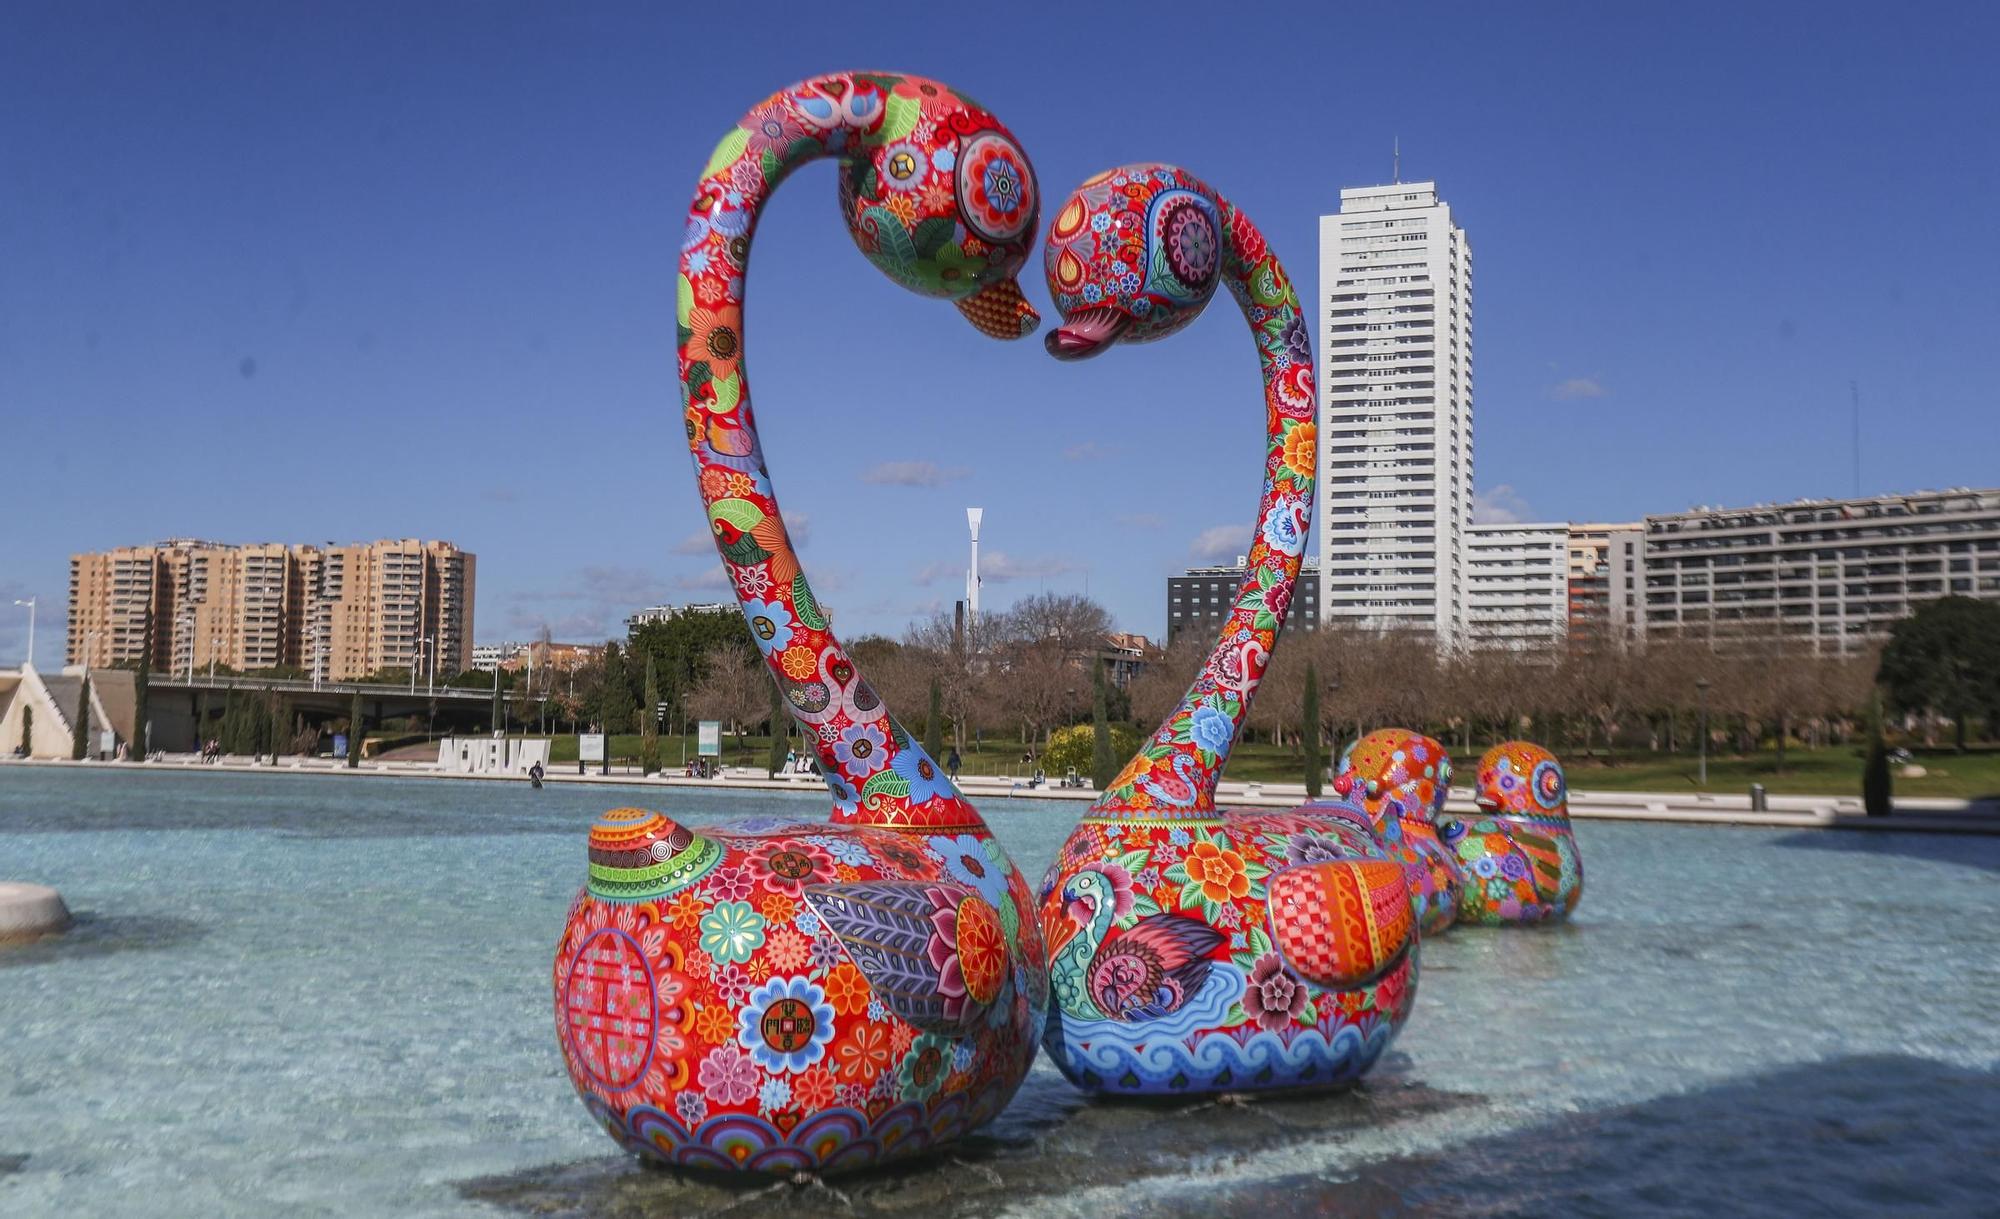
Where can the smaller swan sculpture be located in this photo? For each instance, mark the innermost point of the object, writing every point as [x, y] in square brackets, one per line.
[771, 997]
[1194, 950]
[1518, 857]
[1400, 779]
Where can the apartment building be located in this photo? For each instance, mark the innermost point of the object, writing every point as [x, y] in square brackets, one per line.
[1395, 324]
[1203, 597]
[1516, 586]
[1590, 577]
[1836, 572]
[342, 612]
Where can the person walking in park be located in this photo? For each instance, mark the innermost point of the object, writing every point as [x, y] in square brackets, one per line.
[951, 763]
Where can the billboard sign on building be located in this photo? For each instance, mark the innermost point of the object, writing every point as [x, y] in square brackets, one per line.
[709, 740]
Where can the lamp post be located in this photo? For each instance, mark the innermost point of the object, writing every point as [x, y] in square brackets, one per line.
[30, 603]
[1701, 764]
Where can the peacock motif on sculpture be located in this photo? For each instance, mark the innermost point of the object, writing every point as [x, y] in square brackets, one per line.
[1197, 950]
[782, 997]
[1143, 971]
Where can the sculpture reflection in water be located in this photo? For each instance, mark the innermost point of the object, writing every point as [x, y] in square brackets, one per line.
[1196, 950]
[783, 997]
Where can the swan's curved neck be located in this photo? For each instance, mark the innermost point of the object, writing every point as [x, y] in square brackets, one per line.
[877, 772]
[1194, 741]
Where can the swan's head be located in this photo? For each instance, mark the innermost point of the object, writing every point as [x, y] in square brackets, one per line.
[942, 199]
[1522, 779]
[1395, 772]
[1133, 255]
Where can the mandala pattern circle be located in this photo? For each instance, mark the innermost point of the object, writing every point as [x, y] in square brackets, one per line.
[1188, 239]
[995, 188]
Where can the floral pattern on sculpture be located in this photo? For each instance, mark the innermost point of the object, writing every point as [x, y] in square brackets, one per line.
[1179, 934]
[777, 997]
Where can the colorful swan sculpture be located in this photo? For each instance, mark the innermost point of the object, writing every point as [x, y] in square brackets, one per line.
[1196, 951]
[1518, 856]
[777, 998]
[1401, 778]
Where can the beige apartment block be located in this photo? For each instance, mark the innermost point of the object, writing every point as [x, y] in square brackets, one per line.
[342, 612]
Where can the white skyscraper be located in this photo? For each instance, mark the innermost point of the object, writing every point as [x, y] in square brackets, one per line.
[1395, 322]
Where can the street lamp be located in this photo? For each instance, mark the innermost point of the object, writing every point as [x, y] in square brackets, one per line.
[416, 655]
[30, 603]
[1701, 765]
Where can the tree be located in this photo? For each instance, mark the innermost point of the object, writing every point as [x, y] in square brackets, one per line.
[1309, 732]
[27, 730]
[1875, 782]
[1103, 763]
[354, 731]
[281, 725]
[934, 725]
[79, 745]
[649, 722]
[1074, 747]
[497, 715]
[1944, 660]
[781, 737]
[733, 689]
[136, 751]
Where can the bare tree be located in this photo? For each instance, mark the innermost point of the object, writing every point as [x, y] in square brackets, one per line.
[736, 689]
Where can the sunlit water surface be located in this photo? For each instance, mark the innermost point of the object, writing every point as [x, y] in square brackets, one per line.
[329, 995]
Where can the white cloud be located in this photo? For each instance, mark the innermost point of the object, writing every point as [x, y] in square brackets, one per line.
[1500, 506]
[910, 474]
[1086, 451]
[1577, 387]
[1219, 544]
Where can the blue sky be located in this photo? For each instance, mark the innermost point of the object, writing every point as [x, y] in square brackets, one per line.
[306, 272]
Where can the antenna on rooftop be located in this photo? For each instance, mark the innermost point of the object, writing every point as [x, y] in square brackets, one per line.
[1854, 392]
[1398, 160]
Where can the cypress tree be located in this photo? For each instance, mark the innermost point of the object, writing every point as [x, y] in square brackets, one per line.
[934, 728]
[1875, 782]
[79, 743]
[498, 708]
[781, 732]
[280, 725]
[136, 748]
[1103, 763]
[231, 731]
[649, 721]
[1309, 730]
[27, 731]
[354, 722]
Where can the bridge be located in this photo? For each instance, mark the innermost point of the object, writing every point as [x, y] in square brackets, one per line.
[173, 703]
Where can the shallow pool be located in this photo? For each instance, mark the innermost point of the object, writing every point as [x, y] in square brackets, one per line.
[328, 995]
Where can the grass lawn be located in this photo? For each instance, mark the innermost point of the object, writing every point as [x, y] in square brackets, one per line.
[1808, 772]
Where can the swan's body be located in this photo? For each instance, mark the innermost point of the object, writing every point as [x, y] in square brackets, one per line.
[1401, 778]
[1195, 950]
[778, 997]
[1519, 857]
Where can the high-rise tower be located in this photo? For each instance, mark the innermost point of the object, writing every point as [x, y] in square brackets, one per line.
[1395, 325]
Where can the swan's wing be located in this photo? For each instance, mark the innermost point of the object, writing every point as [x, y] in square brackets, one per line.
[1340, 923]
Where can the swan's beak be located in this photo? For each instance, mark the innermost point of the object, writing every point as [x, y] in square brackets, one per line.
[1000, 311]
[1086, 333]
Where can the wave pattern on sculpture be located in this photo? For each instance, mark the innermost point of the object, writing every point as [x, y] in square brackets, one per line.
[1198, 951]
[770, 996]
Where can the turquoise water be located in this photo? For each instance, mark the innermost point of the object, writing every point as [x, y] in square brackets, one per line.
[312, 995]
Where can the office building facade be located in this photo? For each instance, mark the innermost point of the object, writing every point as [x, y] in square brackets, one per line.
[1202, 598]
[1395, 324]
[1836, 573]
